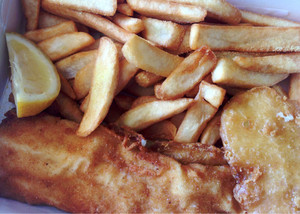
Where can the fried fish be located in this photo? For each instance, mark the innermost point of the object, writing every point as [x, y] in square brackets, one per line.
[260, 130]
[43, 161]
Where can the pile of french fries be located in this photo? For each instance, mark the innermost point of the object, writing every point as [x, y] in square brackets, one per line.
[163, 68]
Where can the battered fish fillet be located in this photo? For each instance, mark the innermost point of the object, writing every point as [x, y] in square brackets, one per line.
[190, 152]
[261, 134]
[43, 161]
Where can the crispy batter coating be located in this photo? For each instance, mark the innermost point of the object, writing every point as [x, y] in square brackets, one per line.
[43, 161]
[261, 134]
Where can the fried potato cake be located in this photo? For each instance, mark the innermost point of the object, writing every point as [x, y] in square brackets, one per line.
[43, 161]
[261, 135]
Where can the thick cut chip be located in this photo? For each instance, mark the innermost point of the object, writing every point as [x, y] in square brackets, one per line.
[143, 99]
[68, 108]
[131, 24]
[66, 44]
[195, 121]
[103, 7]
[217, 9]
[212, 93]
[127, 71]
[31, 10]
[66, 87]
[232, 54]
[187, 153]
[83, 80]
[141, 53]
[264, 20]
[48, 20]
[211, 133]
[46, 33]
[184, 47]
[171, 11]
[261, 134]
[147, 114]
[188, 74]
[104, 85]
[294, 90]
[146, 79]
[246, 38]
[125, 9]
[283, 63]
[69, 66]
[227, 72]
[166, 34]
[94, 21]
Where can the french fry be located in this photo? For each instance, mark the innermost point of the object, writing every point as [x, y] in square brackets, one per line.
[69, 66]
[104, 84]
[31, 10]
[94, 21]
[211, 133]
[188, 153]
[46, 33]
[124, 102]
[232, 54]
[280, 91]
[68, 108]
[83, 79]
[148, 57]
[133, 25]
[177, 119]
[228, 73]
[143, 99]
[171, 11]
[217, 9]
[193, 92]
[166, 34]
[125, 9]
[294, 90]
[282, 63]
[195, 121]
[264, 20]
[150, 113]
[64, 45]
[127, 71]
[212, 93]
[188, 74]
[164, 130]
[48, 20]
[246, 38]
[106, 8]
[137, 90]
[66, 87]
[93, 46]
[146, 79]
[184, 46]
[83, 106]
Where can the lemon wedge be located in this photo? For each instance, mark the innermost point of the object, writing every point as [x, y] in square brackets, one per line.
[35, 81]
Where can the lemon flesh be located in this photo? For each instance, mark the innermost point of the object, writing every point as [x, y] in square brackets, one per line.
[35, 81]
